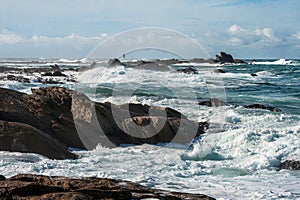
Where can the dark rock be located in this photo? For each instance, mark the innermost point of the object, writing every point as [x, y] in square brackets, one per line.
[219, 71]
[224, 58]
[115, 62]
[2, 178]
[239, 61]
[17, 78]
[26, 186]
[201, 60]
[55, 68]
[260, 106]
[56, 73]
[213, 103]
[50, 81]
[253, 74]
[188, 70]
[152, 66]
[227, 58]
[52, 119]
[168, 62]
[16, 136]
[290, 165]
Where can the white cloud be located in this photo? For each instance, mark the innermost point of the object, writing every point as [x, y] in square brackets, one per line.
[235, 29]
[267, 33]
[7, 37]
[297, 35]
[235, 40]
[241, 36]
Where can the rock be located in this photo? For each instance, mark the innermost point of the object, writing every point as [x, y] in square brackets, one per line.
[224, 58]
[238, 61]
[201, 60]
[55, 68]
[17, 78]
[219, 71]
[260, 106]
[56, 73]
[253, 74]
[290, 165]
[115, 62]
[52, 119]
[188, 70]
[213, 103]
[227, 58]
[152, 66]
[20, 137]
[26, 186]
[2, 178]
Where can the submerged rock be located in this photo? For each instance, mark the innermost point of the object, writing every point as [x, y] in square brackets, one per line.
[290, 165]
[213, 103]
[52, 119]
[26, 186]
[260, 106]
[188, 70]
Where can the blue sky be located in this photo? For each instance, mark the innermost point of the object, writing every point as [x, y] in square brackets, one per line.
[71, 29]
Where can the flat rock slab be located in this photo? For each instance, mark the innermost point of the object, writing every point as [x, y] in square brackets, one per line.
[27, 186]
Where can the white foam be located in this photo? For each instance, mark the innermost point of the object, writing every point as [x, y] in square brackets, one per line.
[281, 61]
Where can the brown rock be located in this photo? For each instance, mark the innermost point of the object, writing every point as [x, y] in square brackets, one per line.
[59, 118]
[26, 186]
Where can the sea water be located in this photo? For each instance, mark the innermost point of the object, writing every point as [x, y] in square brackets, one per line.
[237, 160]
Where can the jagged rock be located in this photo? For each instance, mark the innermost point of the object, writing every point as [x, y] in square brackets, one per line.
[213, 103]
[188, 70]
[59, 118]
[55, 68]
[224, 58]
[115, 62]
[26, 186]
[227, 58]
[290, 165]
[260, 106]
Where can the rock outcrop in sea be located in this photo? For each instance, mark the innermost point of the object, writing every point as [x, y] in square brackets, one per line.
[290, 165]
[51, 120]
[38, 187]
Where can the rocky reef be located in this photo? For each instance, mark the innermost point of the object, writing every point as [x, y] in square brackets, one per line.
[26, 186]
[52, 119]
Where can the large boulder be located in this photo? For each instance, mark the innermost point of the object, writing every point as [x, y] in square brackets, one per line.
[227, 58]
[26, 186]
[52, 119]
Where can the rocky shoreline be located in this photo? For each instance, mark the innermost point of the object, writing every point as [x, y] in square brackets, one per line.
[50, 120]
[26, 186]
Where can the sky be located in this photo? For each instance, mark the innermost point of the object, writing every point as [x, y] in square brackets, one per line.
[72, 29]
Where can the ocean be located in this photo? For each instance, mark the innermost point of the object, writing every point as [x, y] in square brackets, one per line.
[237, 158]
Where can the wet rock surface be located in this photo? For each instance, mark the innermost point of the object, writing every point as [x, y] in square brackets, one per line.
[290, 165]
[51, 120]
[26, 186]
